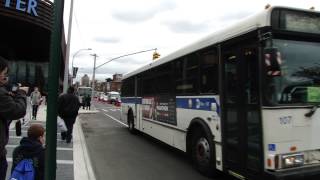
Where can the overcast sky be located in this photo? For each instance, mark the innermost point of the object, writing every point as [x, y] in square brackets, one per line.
[112, 28]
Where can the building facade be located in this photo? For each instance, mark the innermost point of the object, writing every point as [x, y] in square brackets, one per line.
[115, 84]
[85, 81]
[25, 41]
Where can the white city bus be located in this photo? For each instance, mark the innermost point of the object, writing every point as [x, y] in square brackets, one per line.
[242, 101]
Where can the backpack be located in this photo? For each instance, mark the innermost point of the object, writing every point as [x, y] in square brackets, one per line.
[23, 171]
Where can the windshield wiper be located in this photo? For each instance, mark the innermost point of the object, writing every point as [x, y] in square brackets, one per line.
[312, 111]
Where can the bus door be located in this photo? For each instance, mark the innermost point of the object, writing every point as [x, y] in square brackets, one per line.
[241, 120]
[137, 93]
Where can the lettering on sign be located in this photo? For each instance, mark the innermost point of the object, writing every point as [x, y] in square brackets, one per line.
[22, 5]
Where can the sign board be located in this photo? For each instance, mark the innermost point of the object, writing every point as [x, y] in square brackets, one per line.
[161, 108]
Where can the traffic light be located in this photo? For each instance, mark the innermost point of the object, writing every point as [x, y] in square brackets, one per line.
[155, 55]
[74, 72]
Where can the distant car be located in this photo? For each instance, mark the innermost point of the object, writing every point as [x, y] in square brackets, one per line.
[97, 94]
[100, 96]
[104, 97]
[113, 97]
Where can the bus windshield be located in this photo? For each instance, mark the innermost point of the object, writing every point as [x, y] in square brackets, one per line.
[299, 81]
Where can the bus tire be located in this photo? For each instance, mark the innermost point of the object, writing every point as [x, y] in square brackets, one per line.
[203, 152]
[131, 127]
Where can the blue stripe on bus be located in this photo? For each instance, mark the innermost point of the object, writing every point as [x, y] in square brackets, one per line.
[131, 100]
[197, 103]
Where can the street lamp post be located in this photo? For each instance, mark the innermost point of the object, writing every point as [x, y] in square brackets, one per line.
[93, 75]
[66, 68]
[74, 55]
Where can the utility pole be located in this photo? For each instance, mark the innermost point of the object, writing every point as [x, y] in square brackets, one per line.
[52, 109]
[93, 75]
[66, 66]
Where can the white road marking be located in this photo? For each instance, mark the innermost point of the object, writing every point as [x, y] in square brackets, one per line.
[115, 119]
[58, 161]
[20, 137]
[115, 110]
[15, 137]
[22, 131]
[64, 162]
[58, 148]
[104, 110]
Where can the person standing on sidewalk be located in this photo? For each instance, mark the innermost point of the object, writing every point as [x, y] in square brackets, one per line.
[88, 101]
[68, 107]
[31, 147]
[35, 102]
[12, 106]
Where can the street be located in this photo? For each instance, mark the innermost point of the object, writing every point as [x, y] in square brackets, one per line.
[117, 154]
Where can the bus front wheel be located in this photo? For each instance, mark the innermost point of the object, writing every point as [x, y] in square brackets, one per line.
[203, 153]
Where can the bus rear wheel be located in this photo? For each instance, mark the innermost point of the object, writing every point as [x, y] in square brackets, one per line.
[203, 153]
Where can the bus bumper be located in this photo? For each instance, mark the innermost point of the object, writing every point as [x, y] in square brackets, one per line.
[310, 173]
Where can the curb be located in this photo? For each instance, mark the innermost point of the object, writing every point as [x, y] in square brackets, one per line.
[82, 164]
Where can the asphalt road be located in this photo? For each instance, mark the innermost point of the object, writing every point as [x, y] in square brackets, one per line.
[117, 155]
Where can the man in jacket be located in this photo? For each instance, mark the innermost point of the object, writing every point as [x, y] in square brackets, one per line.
[31, 147]
[12, 106]
[68, 107]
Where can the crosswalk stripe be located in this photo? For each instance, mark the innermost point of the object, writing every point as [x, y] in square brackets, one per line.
[20, 137]
[58, 161]
[58, 148]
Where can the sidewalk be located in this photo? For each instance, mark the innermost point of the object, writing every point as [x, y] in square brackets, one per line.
[73, 162]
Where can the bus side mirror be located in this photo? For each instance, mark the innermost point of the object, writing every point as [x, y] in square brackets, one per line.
[272, 60]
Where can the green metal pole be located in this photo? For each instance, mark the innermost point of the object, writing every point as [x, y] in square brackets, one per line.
[54, 72]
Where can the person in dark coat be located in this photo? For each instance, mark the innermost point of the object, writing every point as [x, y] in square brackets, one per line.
[12, 106]
[31, 147]
[88, 102]
[68, 107]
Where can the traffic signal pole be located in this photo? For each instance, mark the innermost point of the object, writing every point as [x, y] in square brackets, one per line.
[93, 76]
[66, 66]
[53, 86]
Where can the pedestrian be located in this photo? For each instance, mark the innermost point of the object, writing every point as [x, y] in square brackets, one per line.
[83, 102]
[35, 102]
[31, 147]
[12, 106]
[88, 102]
[68, 107]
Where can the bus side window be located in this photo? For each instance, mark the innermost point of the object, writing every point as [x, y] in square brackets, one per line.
[162, 79]
[127, 89]
[186, 74]
[231, 79]
[209, 72]
[251, 86]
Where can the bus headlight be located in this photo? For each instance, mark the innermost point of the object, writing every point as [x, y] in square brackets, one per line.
[292, 160]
